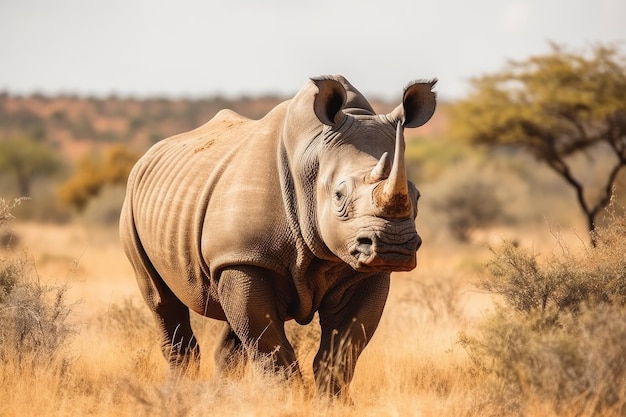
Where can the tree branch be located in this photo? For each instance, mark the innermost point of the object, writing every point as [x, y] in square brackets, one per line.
[608, 189]
[563, 170]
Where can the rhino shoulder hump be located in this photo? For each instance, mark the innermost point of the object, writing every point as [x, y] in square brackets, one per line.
[229, 116]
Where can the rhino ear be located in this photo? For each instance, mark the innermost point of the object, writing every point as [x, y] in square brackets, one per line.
[329, 100]
[418, 104]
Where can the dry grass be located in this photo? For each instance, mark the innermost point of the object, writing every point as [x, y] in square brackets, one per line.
[414, 365]
[114, 367]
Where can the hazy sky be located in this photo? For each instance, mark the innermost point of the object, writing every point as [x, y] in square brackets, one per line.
[204, 47]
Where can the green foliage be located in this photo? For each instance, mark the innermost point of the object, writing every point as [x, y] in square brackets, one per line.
[558, 337]
[428, 159]
[27, 159]
[92, 174]
[554, 106]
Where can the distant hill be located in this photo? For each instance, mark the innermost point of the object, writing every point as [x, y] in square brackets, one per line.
[79, 125]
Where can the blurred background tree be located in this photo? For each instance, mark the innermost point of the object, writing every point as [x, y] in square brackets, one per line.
[28, 159]
[471, 204]
[93, 173]
[557, 106]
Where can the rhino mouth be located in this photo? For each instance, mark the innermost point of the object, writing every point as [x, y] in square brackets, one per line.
[380, 251]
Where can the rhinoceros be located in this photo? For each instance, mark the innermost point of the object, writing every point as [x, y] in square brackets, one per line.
[258, 222]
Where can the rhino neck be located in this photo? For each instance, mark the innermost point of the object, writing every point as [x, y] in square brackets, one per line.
[298, 182]
[315, 269]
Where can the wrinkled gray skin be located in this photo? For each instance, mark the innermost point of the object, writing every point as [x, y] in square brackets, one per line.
[256, 222]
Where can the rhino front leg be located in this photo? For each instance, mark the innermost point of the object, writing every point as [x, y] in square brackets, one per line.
[348, 322]
[249, 303]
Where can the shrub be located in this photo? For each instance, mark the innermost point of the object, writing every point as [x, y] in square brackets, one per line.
[564, 281]
[34, 316]
[557, 339]
[5, 210]
[9, 275]
[566, 363]
[470, 203]
[8, 270]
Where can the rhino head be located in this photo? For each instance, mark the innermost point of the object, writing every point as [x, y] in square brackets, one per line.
[366, 207]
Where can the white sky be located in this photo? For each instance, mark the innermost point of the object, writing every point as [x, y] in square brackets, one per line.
[207, 47]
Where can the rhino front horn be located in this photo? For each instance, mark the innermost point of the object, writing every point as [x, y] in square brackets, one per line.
[391, 196]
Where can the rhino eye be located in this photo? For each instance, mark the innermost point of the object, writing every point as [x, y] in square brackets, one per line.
[341, 193]
[340, 200]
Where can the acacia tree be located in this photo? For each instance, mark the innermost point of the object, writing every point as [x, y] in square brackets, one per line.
[556, 106]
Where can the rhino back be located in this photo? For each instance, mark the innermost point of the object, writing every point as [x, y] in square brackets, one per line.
[209, 198]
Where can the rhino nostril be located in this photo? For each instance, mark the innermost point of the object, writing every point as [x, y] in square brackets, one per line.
[364, 245]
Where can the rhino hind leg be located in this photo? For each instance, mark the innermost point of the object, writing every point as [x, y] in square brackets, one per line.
[178, 342]
[229, 352]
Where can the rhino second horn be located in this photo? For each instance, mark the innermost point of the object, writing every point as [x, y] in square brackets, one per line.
[380, 171]
[392, 195]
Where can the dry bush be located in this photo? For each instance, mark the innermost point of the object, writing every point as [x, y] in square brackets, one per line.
[36, 321]
[474, 196]
[6, 208]
[470, 204]
[34, 316]
[565, 280]
[558, 338]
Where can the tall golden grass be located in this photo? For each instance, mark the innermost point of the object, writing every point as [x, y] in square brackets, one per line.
[112, 365]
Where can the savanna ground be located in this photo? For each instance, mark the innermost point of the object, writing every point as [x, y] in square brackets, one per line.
[113, 365]
[482, 327]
